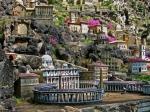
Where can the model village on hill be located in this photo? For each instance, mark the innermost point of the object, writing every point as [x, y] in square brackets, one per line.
[73, 52]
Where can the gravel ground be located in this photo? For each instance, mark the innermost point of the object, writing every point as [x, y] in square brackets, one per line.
[108, 98]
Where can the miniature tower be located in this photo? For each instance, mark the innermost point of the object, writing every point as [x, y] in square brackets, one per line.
[74, 15]
[142, 51]
[142, 48]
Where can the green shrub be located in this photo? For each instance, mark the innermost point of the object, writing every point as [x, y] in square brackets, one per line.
[88, 41]
[141, 77]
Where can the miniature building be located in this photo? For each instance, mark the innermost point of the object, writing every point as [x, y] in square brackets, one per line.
[30, 3]
[21, 27]
[113, 63]
[142, 51]
[74, 16]
[33, 9]
[104, 29]
[63, 87]
[119, 44]
[25, 84]
[44, 12]
[140, 64]
[19, 10]
[47, 62]
[84, 27]
[74, 27]
[64, 78]
[102, 39]
[99, 69]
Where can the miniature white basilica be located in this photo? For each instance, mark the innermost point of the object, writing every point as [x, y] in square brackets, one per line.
[64, 77]
[61, 86]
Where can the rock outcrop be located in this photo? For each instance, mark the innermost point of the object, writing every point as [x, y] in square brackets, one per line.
[6, 84]
[6, 7]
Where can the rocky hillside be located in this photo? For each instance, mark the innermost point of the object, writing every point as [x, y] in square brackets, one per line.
[6, 7]
[7, 78]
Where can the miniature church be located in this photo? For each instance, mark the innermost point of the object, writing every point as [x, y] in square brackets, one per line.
[64, 77]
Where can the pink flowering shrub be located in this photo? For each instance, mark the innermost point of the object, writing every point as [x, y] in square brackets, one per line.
[52, 40]
[111, 38]
[109, 26]
[94, 22]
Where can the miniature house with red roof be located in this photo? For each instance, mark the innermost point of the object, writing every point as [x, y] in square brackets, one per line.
[139, 64]
[25, 84]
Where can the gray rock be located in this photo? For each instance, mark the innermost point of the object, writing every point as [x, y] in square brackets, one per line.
[34, 61]
[6, 73]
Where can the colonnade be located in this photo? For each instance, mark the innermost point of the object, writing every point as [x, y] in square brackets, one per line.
[65, 82]
[131, 87]
[67, 97]
[86, 85]
[146, 89]
[43, 11]
[69, 82]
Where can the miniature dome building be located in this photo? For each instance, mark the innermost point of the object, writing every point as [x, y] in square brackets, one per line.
[47, 62]
[62, 86]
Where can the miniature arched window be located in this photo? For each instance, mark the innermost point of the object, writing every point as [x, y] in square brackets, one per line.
[22, 29]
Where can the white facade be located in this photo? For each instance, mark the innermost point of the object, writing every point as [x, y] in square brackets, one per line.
[104, 29]
[138, 67]
[122, 46]
[75, 28]
[63, 78]
[118, 27]
[142, 50]
[84, 28]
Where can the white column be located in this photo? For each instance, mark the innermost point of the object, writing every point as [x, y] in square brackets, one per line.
[68, 82]
[64, 81]
[75, 82]
[47, 79]
[78, 83]
[51, 79]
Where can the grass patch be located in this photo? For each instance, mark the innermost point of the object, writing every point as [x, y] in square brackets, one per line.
[20, 101]
[142, 78]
